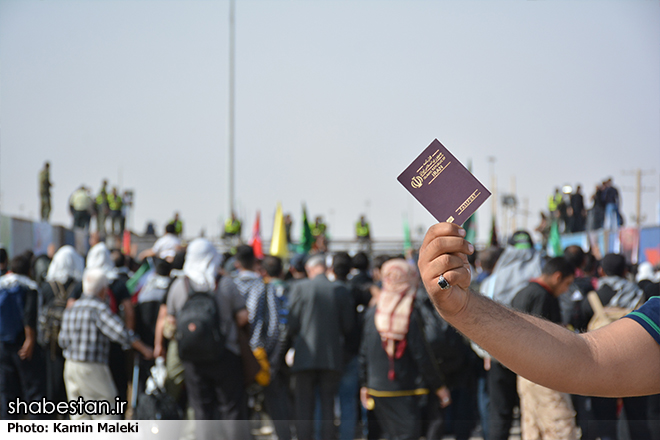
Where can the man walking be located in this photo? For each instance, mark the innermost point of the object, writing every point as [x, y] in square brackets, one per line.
[214, 386]
[545, 413]
[87, 329]
[21, 359]
[320, 317]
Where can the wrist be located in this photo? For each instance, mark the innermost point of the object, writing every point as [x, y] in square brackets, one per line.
[452, 302]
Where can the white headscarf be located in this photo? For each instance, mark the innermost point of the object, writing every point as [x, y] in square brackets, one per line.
[99, 257]
[66, 264]
[201, 265]
[645, 272]
[513, 270]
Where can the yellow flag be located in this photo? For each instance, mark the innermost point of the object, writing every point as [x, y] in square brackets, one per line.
[278, 244]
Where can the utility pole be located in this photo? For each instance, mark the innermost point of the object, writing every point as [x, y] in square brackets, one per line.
[232, 47]
[639, 189]
[525, 211]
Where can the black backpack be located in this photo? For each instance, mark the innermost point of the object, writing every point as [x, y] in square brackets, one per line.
[198, 328]
[50, 315]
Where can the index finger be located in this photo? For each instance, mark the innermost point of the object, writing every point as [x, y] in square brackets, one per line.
[443, 230]
[444, 238]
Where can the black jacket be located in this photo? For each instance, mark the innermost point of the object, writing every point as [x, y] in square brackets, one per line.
[415, 369]
[321, 315]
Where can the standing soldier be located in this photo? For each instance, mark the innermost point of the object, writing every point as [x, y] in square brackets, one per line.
[178, 225]
[233, 228]
[115, 206]
[44, 191]
[363, 234]
[553, 203]
[80, 205]
[319, 227]
[102, 209]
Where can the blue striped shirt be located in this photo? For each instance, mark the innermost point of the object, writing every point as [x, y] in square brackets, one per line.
[648, 316]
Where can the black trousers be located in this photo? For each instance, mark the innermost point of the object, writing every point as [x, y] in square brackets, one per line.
[654, 416]
[503, 398]
[24, 379]
[216, 392]
[81, 219]
[400, 417]
[304, 383]
[605, 417]
[277, 399]
[55, 389]
[119, 370]
[637, 413]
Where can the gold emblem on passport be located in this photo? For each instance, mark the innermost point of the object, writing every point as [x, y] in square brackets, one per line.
[417, 182]
[450, 219]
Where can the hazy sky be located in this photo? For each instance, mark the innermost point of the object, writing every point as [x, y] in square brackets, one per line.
[333, 100]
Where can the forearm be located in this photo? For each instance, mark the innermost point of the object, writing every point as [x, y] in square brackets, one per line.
[597, 363]
[489, 324]
[160, 324]
[129, 314]
[28, 345]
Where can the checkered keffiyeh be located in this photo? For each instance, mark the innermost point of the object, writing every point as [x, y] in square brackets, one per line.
[87, 329]
[262, 310]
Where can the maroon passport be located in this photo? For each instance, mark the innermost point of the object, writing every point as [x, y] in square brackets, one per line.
[443, 185]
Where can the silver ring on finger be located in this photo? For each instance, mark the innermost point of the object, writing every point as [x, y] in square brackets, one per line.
[443, 283]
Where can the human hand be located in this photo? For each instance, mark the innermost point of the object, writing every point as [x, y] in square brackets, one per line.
[25, 353]
[445, 397]
[159, 351]
[148, 353]
[367, 402]
[444, 252]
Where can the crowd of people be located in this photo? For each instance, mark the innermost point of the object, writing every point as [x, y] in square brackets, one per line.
[333, 345]
[108, 205]
[105, 206]
[324, 340]
[569, 210]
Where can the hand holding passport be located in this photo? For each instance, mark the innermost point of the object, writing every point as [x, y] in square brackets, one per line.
[451, 194]
[443, 185]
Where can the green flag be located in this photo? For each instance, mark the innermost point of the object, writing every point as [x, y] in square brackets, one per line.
[470, 228]
[135, 283]
[407, 242]
[555, 239]
[306, 238]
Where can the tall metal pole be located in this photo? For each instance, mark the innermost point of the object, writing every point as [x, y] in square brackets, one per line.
[638, 199]
[232, 45]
